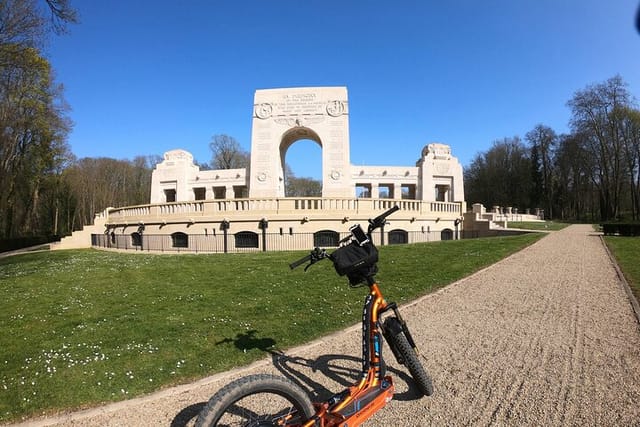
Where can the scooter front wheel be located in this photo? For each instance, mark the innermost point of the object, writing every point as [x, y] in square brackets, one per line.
[257, 401]
[406, 355]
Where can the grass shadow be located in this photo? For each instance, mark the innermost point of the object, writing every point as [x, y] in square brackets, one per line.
[248, 341]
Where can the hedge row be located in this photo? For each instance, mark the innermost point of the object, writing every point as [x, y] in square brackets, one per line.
[621, 229]
[25, 242]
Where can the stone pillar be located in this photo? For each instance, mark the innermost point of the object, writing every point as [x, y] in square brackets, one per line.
[477, 208]
[397, 191]
[375, 190]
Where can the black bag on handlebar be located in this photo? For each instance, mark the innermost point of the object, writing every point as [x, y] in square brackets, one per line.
[355, 261]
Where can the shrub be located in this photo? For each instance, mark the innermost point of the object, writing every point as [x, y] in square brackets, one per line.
[25, 242]
[621, 229]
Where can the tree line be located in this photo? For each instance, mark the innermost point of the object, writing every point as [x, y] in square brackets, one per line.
[46, 190]
[590, 174]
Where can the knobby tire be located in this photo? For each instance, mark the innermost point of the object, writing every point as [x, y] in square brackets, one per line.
[409, 357]
[257, 400]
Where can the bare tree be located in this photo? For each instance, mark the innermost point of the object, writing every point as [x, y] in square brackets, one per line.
[543, 141]
[575, 195]
[227, 153]
[501, 176]
[303, 187]
[61, 14]
[596, 119]
[630, 133]
[25, 23]
[98, 183]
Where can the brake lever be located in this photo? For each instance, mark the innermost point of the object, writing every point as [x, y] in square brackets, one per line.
[316, 255]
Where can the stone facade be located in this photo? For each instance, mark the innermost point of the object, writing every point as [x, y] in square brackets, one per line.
[437, 177]
[280, 118]
[177, 179]
[246, 209]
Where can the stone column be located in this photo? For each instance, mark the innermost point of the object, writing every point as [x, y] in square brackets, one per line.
[375, 191]
[478, 208]
[397, 191]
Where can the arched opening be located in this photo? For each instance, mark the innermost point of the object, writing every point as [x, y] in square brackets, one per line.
[398, 237]
[446, 234]
[301, 163]
[326, 238]
[246, 239]
[179, 240]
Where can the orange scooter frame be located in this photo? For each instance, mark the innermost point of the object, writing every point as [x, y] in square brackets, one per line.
[358, 403]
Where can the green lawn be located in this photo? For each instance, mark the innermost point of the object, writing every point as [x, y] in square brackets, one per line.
[538, 225]
[626, 250]
[84, 327]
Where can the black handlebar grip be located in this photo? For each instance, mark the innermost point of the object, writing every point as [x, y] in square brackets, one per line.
[379, 220]
[299, 262]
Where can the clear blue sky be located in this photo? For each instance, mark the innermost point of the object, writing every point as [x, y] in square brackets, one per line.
[144, 77]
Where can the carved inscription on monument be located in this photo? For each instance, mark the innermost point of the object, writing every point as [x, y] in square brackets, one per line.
[299, 104]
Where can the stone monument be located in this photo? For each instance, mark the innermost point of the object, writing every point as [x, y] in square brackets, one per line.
[283, 116]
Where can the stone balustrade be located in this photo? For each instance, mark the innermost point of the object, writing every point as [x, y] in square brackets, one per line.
[294, 206]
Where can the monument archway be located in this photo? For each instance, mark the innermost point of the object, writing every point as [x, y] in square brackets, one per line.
[298, 135]
[304, 157]
[283, 116]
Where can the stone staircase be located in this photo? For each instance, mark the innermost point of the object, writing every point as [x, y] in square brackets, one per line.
[81, 239]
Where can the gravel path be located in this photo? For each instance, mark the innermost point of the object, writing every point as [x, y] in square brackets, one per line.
[544, 337]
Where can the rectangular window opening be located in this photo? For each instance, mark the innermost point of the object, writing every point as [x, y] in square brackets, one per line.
[170, 195]
[385, 191]
[219, 192]
[408, 191]
[363, 191]
[200, 193]
[240, 191]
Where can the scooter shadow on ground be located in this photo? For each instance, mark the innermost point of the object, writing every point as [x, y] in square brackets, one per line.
[187, 414]
[342, 370]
